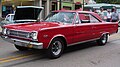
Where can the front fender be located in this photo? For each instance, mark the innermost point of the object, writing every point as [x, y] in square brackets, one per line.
[57, 36]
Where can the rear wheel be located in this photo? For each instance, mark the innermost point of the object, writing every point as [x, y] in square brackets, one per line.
[20, 48]
[119, 23]
[103, 40]
[55, 49]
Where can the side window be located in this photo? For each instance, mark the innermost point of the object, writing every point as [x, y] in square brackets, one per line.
[93, 19]
[84, 18]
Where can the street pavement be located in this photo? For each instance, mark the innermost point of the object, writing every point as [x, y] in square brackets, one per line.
[81, 55]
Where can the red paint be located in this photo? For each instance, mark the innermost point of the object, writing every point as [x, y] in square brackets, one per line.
[73, 33]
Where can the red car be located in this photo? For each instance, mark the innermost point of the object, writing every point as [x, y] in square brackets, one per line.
[59, 29]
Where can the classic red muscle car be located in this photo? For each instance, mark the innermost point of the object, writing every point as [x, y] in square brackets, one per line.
[58, 30]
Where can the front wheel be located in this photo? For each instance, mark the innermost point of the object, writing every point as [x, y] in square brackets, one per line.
[55, 49]
[103, 40]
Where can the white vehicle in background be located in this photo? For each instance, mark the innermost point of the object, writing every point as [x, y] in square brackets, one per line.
[8, 20]
[9, 17]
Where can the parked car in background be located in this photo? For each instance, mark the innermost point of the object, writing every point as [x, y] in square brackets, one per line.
[8, 20]
[20, 15]
[1, 19]
[10, 17]
[59, 30]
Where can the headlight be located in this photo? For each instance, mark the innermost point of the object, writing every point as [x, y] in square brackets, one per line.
[4, 31]
[7, 31]
[34, 35]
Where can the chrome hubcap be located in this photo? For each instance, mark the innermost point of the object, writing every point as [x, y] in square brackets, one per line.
[118, 24]
[104, 38]
[56, 47]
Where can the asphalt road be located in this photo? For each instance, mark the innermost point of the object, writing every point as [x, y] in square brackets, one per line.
[81, 55]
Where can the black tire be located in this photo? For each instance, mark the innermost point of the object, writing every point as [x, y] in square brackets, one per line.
[55, 49]
[119, 23]
[103, 40]
[20, 48]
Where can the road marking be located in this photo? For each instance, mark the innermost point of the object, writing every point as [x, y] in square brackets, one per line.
[13, 58]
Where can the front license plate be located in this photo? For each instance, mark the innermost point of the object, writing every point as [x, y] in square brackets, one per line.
[30, 46]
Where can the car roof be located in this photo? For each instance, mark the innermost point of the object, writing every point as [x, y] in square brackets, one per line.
[79, 11]
[63, 10]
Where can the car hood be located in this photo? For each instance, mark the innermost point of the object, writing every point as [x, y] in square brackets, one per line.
[33, 26]
[28, 13]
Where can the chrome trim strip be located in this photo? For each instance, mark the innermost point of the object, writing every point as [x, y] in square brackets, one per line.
[13, 40]
[28, 42]
[82, 42]
[29, 7]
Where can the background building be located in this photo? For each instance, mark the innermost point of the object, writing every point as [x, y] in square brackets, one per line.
[8, 6]
[0, 8]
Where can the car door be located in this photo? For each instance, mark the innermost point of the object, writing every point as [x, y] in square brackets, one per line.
[97, 26]
[83, 29]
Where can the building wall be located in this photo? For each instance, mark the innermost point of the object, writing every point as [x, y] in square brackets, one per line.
[0, 8]
[78, 1]
[10, 5]
[45, 4]
[49, 5]
[67, 5]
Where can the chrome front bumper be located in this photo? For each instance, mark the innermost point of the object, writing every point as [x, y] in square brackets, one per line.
[23, 43]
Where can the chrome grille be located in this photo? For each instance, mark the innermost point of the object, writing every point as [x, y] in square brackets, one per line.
[19, 33]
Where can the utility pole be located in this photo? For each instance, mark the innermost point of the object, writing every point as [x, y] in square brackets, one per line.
[83, 5]
[0, 8]
[60, 4]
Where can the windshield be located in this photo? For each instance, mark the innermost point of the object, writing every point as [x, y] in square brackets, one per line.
[64, 17]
